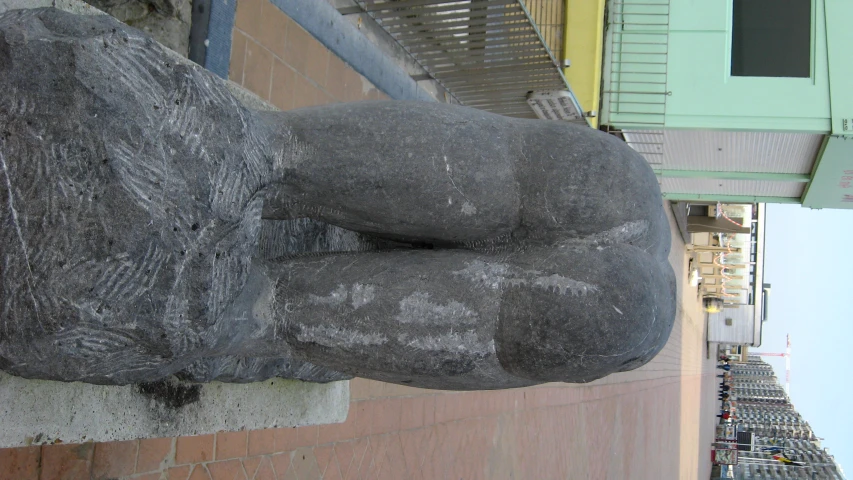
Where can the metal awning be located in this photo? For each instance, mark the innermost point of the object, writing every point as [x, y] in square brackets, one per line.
[488, 54]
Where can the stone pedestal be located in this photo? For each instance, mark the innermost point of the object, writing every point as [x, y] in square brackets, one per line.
[42, 412]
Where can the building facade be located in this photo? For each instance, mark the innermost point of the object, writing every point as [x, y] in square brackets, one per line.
[766, 415]
[739, 101]
[731, 267]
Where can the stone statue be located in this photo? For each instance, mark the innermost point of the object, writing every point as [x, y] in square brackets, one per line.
[153, 226]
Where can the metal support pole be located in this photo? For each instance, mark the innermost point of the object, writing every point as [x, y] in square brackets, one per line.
[775, 177]
[729, 198]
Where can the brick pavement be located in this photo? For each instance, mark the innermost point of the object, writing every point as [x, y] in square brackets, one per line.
[618, 431]
[279, 61]
[654, 422]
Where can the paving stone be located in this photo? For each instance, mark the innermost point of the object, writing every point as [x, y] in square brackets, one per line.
[199, 472]
[250, 465]
[283, 85]
[286, 439]
[305, 464]
[386, 415]
[20, 463]
[231, 445]
[265, 470]
[257, 70]
[67, 462]
[226, 470]
[281, 464]
[153, 453]
[114, 459]
[261, 442]
[194, 449]
[238, 57]
[248, 15]
[272, 27]
[178, 473]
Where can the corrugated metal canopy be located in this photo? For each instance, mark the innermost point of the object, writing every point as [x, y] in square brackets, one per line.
[712, 186]
[488, 54]
[717, 151]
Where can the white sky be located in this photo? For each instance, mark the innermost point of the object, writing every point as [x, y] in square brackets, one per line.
[809, 262]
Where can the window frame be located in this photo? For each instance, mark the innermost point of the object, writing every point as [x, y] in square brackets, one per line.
[812, 47]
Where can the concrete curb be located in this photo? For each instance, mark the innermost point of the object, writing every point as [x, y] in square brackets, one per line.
[40, 412]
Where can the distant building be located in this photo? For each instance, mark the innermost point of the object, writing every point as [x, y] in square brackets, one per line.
[765, 420]
[731, 268]
[755, 384]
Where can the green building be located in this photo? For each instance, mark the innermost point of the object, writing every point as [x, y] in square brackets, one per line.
[738, 101]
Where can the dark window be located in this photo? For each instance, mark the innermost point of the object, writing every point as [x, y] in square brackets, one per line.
[771, 38]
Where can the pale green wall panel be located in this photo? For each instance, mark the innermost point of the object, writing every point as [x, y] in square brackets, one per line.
[711, 197]
[748, 123]
[839, 16]
[832, 180]
[698, 90]
[698, 15]
[696, 64]
[705, 95]
[721, 175]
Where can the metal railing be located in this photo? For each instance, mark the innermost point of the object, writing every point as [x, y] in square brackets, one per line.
[549, 16]
[635, 84]
[488, 54]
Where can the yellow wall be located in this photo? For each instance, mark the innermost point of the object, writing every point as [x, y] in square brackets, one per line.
[583, 39]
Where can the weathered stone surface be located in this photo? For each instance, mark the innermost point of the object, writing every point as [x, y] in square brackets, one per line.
[167, 21]
[153, 226]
